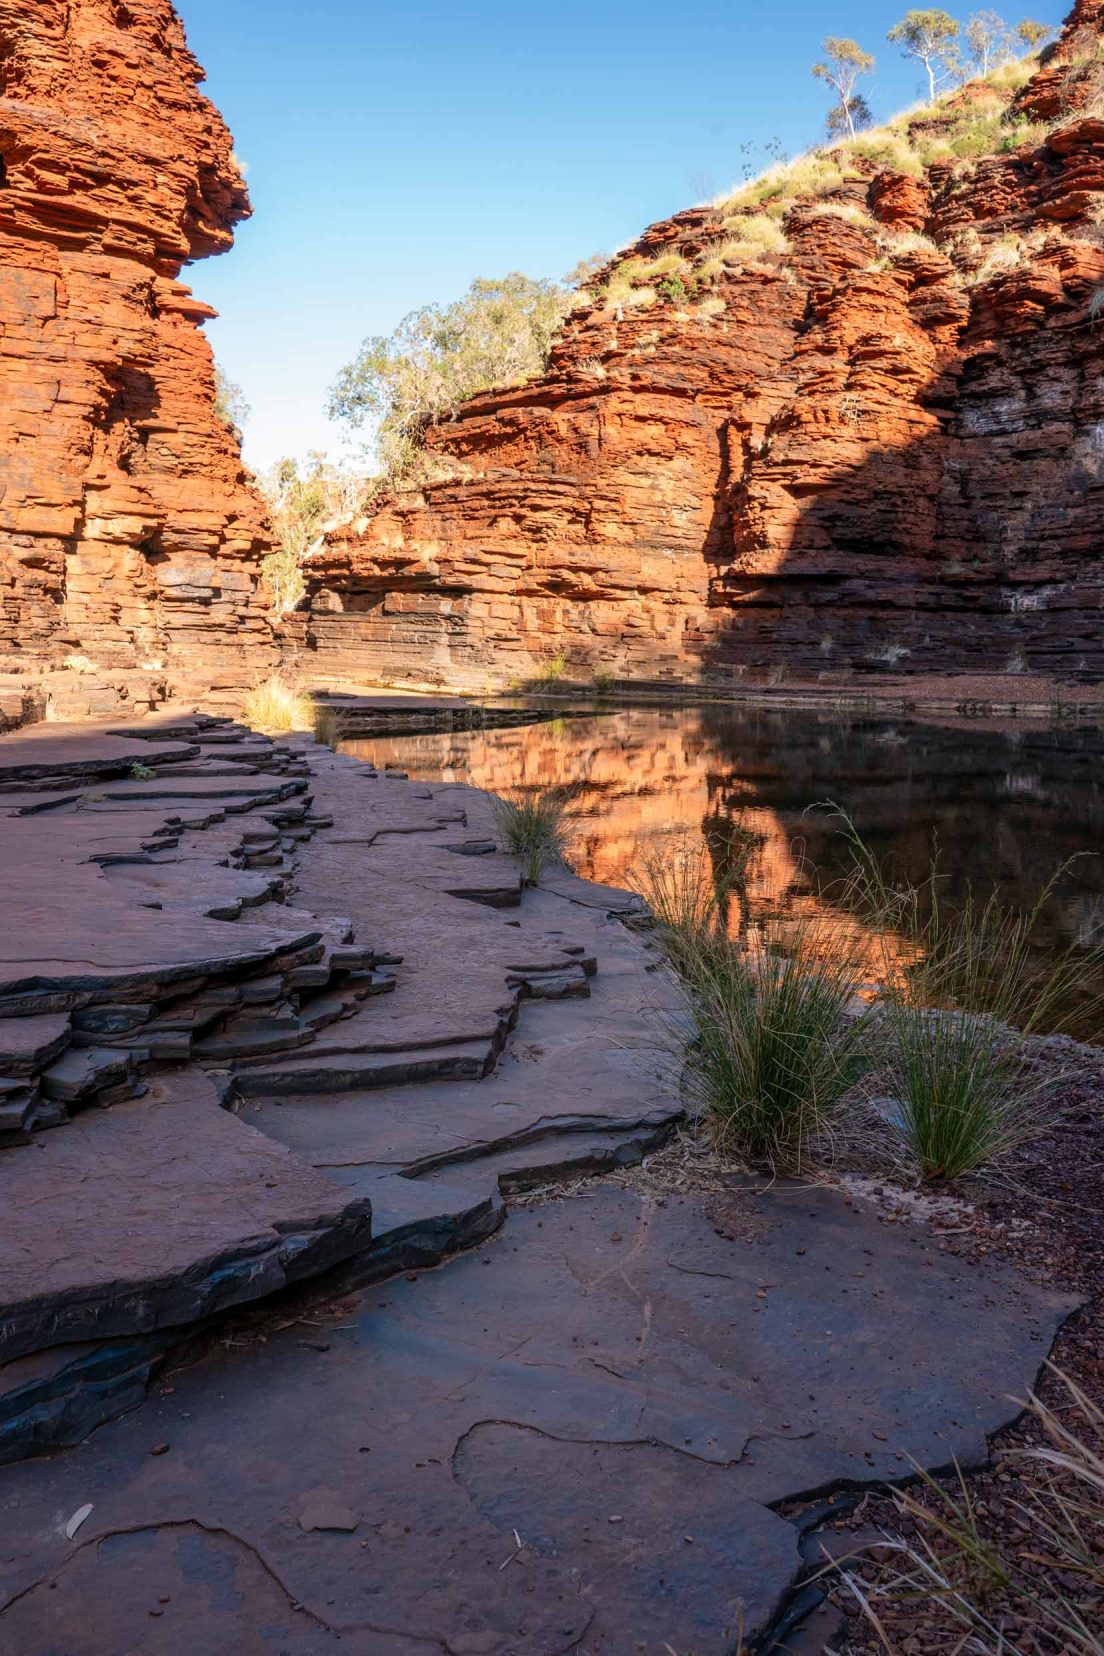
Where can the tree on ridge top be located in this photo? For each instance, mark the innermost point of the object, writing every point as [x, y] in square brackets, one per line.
[930, 35]
[844, 62]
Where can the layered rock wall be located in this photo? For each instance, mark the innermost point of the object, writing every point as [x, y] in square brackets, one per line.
[878, 451]
[130, 537]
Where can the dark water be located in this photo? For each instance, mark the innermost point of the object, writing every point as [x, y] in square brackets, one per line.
[1006, 805]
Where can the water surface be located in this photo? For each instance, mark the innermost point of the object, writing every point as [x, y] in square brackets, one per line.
[1007, 805]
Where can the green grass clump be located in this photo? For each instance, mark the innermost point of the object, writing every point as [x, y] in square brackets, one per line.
[959, 1010]
[688, 901]
[778, 1040]
[532, 825]
[963, 1091]
[141, 773]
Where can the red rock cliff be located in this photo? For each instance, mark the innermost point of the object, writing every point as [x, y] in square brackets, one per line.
[130, 537]
[879, 450]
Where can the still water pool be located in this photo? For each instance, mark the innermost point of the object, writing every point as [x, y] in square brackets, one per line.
[1006, 804]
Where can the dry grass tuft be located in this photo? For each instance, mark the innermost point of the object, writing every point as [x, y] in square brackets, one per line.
[278, 706]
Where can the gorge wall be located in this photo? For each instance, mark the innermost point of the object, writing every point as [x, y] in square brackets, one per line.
[877, 450]
[130, 537]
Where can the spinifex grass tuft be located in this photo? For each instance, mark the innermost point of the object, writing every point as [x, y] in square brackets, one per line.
[779, 1038]
[532, 824]
[277, 706]
[694, 887]
[959, 1009]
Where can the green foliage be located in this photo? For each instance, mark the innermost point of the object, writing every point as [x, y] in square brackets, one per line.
[960, 1084]
[959, 1010]
[930, 35]
[552, 670]
[141, 773]
[304, 502]
[688, 899]
[989, 42]
[230, 404]
[777, 1046]
[499, 333]
[1033, 34]
[674, 289]
[844, 61]
[844, 120]
[532, 825]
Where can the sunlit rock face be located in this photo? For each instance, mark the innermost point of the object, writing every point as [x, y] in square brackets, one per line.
[130, 538]
[843, 465]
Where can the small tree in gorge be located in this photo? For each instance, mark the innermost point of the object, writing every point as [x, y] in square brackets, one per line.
[844, 62]
[304, 502]
[931, 37]
[230, 404]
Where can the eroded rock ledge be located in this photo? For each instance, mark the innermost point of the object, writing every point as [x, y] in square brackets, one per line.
[849, 463]
[279, 1031]
[130, 536]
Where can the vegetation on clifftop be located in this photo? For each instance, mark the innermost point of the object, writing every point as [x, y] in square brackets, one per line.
[398, 385]
[500, 332]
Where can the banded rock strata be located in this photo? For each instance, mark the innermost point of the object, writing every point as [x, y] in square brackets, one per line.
[847, 463]
[130, 535]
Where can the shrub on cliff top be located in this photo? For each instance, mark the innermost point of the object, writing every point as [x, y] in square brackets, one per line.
[397, 386]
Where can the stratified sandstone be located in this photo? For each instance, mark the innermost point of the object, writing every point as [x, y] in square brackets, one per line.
[849, 461]
[130, 538]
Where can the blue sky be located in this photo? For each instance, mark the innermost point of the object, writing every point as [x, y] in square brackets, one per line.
[396, 151]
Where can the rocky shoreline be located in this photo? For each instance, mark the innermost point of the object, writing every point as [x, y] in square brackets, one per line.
[285, 1033]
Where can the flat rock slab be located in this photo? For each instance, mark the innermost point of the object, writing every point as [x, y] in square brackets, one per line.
[81, 750]
[154, 1213]
[68, 929]
[620, 1385]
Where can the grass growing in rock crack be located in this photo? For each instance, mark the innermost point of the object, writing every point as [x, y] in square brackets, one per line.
[958, 1010]
[552, 670]
[276, 706]
[532, 823]
[1049, 1574]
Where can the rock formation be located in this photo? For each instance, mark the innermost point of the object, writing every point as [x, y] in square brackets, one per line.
[130, 537]
[876, 450]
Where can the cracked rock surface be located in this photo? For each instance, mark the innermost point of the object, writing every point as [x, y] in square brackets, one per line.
[343, 1039]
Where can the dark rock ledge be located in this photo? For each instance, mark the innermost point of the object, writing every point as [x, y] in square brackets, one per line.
[296, 1033]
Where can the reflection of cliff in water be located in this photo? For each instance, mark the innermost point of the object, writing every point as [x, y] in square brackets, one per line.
[1005, 806]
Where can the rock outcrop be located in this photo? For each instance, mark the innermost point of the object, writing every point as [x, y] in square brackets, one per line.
[879, 448]
[130, 537]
